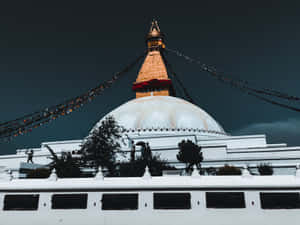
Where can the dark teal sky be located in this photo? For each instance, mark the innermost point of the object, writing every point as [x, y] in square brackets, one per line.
[53, 50]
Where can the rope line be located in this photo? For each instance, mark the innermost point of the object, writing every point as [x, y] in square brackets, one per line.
[243, 85]
[25, 124]
[185, 91]
[213, 72]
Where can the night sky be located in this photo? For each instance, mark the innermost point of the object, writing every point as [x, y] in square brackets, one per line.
[53, 50]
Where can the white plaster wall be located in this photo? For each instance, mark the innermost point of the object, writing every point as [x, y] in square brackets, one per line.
[236, 141]
[62, 146]
[219, 150]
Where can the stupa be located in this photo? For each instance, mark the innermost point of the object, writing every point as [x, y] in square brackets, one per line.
[156, 116]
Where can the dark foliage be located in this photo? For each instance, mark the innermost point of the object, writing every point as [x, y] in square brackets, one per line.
[227, 170]
[101, 146]
[137, 168]
[145, 151]
[265, 169]
[66, 166]
[100, 149]
[190, 154]
[37, 173]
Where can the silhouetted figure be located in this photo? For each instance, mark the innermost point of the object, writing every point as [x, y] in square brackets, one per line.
[147, 152]
[29, 156]
[132, 152]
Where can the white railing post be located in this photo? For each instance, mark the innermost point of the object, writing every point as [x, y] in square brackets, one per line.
[147, 174]
[245, 172]
[297, 174]
[196, 172]
[99, 174]
[53, 175]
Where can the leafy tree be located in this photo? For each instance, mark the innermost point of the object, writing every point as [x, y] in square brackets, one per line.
[102, 144]
[190, 154]
[265, 169]
[227, 170]
[65, 165]
[137, 167]
[100, 149]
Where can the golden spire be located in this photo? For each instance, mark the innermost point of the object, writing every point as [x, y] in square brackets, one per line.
[153, 77]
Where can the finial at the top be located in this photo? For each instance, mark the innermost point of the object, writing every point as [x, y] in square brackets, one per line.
[154, 26]
[155, 38]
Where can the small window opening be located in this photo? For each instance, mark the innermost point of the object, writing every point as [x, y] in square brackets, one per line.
[225, 200]
[120, 202]
[172, 200]
[280, 200]
[21, 202]
[69, 201]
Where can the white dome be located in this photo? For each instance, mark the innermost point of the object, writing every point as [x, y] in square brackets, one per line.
[163, 112]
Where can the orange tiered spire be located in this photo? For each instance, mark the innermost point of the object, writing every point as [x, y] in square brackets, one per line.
[153, 77]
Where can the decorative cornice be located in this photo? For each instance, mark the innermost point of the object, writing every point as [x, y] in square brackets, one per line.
[163, 129]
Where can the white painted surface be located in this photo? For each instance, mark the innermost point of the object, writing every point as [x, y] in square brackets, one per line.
[198, 214]
[162, 112]
[163, 122]
[217, 150]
